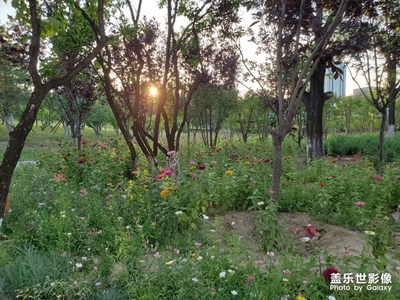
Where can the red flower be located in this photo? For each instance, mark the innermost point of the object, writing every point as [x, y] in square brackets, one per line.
[310, 231]
[359, 204]
[327, 273]
[322, 184]
[378, 178]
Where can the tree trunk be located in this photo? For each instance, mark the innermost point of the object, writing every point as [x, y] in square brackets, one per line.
[314, 104]
[392, 120]
[9, 122]
[16, 143]
[382, 141]
[277, 167]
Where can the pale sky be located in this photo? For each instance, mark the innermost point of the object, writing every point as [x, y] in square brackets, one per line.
[150, 8]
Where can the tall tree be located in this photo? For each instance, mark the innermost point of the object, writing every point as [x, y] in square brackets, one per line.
[377, 62]
[295, 60]
[42, 22]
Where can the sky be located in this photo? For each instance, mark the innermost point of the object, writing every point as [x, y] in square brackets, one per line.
[150, 8]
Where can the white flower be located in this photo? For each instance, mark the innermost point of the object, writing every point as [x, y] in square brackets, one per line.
[305, 239]
[200, 257]
[157, 255]
[286, 297]
[84, 258]
[53, 284]
[260, 203]
[205, 217]
[222, 274]
[233, 223]
[369, 232]
[330, 297]
[79, 265]
[178, 213]
[194, 279]
[270, 253]
[213, 230]
[98, 283]
[234, 293]
[231, 271]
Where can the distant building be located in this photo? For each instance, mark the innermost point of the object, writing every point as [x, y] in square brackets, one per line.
[336, 86]
[359, 92]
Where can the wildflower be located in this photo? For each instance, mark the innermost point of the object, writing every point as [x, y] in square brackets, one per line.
[231, 271]
[327, 273]
[233, 223]
[194, 279]
[294, 229]
[171, 153]
[378, 178]
[81, 160]
[79, 265]
[84, 258]
[200, 258]
[59, 177]
[322, 184]
[205, 217]
[194, 176]
[192, 162]
[197, 244]
[305, 239]
[258, 262]
[178, 213]
[260, 203]
[168, 172]
[164, 193]
[222, 274]
[359, 204]
[286, 272]
[330, 297]
[53, 284]
[83, 192]
[176, 251]
[234, 293]
[369, 232]
[170, 263]
[301, 297]
[285, 279]
[310, 231]
[271, 254]
[286, 297]
[229, 172]
[201, 167]
[98, 283]
[157, 255]
[213, 163]
[251, 277]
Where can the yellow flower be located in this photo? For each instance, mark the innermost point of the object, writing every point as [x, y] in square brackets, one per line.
[229, 172]
[300, 297]
[164, 193]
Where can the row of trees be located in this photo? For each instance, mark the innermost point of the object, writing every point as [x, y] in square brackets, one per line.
[194, 65]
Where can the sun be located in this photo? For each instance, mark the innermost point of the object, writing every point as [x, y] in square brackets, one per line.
[153, 91]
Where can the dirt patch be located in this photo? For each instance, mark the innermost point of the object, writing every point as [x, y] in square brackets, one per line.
[333, 240]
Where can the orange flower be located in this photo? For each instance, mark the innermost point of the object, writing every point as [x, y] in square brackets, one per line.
[229, 172]
[164, 193]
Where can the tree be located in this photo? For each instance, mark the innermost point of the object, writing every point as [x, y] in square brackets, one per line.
[40, 22]
[175, 62]
[14, 79]
[377, 62]
[97, 117]
[211, 106]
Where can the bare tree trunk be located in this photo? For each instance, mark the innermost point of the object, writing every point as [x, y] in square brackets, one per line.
[382, 141]
[392, 120]
[277, 139]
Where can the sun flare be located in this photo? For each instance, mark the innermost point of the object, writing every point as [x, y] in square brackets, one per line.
[153, 91]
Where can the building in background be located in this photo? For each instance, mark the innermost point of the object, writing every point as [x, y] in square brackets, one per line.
[336, 86]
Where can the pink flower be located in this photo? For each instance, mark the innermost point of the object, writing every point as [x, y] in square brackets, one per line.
[194, 176]
[59, 177]
[271, 254]
[378, 178]
[310, 231]
[171, 153]
[327, 273]
[197, 244]
[294, 229]
[259, 262]
[168, 172]
[286, 272]
[192, 162]
[251, 277]
[359, 204]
